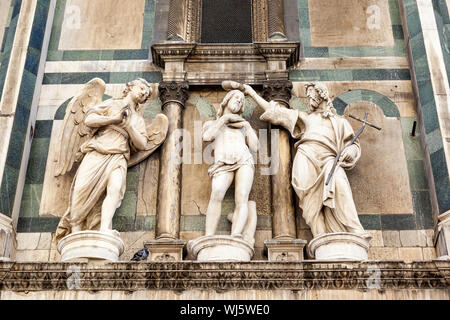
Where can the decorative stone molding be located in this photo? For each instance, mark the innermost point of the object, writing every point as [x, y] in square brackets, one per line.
[339, 246]
[277, 90]
[171, 52]
[91, 246]
[173, 92]
[210, 64]
[260, 21]
[220, 248]
[165, 250]
[177, 276]
[285, 51]
[285, 250]
[184, 20]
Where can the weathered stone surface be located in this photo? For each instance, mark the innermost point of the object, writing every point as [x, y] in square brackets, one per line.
[410, 254]
[391, 238]
[257, 276]
[87, 25]
[355, 23]
[383, 159]
[413, 238]
[386, 253]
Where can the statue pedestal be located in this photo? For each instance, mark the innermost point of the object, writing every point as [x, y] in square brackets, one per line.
[285, 249]
[91, 246]
[339, 246]
[220, 248]
[165, 250]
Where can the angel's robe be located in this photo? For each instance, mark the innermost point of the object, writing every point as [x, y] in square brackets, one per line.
[106, 151]
[326, 208]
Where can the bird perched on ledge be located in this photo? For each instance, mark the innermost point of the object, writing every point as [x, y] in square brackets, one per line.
[140, 255]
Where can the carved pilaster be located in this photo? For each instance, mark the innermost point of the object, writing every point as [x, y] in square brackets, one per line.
[176, 30]
[173, 96]
[260, 21]
[276, 26]
[282, 196]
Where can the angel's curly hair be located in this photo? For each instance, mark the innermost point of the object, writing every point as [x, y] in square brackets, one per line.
[323, 92]
[133, 83]
[226, 100]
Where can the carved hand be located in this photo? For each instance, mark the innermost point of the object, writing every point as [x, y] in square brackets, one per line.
[231, 118]
[348, 155]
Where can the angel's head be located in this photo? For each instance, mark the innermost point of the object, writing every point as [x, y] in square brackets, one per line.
[139, 90]
[234, 101]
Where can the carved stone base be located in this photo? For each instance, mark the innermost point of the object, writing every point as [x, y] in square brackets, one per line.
[165, 250]
[339, 246]
[91, 246]
[7, 239]
[285, 250]
[220, 248]
[443, 237]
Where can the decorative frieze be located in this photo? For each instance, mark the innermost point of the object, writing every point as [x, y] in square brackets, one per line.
[225, 276]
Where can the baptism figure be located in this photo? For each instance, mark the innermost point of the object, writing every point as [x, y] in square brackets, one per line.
[321, 134]
[234, 142]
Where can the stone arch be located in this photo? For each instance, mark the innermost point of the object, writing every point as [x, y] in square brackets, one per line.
[389, 108]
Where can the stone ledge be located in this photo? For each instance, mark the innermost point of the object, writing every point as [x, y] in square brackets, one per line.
[179, 276]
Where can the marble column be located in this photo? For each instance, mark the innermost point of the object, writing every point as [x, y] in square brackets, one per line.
[282, 195]
[173, 96]
[276, 26]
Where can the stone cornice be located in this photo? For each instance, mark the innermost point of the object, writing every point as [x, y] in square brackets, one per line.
[192, 52]
[225, 276]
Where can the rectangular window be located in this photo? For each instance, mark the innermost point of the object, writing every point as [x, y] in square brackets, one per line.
[226, 21]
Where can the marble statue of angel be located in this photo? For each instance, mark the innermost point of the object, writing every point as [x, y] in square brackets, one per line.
[105, 138]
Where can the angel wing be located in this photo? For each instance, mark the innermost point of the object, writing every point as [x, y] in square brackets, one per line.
[157, 132]
[74, 131]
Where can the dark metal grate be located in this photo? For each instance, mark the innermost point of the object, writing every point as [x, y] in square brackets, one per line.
[226, 21]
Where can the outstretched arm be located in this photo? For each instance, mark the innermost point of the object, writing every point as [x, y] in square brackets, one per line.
[258, 99]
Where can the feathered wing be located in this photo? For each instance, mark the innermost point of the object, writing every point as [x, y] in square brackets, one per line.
[74, 131]
[157, 132]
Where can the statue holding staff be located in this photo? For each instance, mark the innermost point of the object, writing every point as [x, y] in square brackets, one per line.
[321, 134]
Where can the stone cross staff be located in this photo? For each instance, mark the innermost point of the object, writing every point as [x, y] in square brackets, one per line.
[336, 160]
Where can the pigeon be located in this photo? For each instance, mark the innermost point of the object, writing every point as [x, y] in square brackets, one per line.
[140, 255]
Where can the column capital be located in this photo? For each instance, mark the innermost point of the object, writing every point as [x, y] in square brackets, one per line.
[278, 90]
[172, 91]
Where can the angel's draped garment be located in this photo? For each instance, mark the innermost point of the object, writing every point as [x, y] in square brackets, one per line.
[326, 209]
[106, 151]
